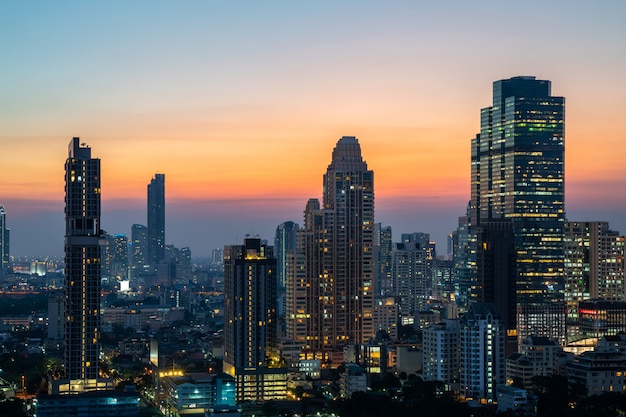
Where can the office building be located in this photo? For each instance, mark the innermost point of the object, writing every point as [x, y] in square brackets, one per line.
[156, 220]
[250, 322]
[338, 240]
[517, 173]
[482, 360]
[5, 260]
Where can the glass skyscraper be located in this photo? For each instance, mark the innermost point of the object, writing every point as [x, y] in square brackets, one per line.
[156, 220]
[518, 174]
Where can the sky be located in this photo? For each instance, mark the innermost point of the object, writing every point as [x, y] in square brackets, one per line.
[240, 104]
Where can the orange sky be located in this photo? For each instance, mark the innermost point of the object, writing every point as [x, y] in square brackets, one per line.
[242, 108]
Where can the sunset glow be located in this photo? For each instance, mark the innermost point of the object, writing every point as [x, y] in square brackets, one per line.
[240, 109]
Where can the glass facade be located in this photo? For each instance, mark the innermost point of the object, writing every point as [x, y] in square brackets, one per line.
[518, 174]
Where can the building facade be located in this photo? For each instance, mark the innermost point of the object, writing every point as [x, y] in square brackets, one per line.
[337, 244]
[517, 173]
[482, 360]
[250, 317]
[82, 267]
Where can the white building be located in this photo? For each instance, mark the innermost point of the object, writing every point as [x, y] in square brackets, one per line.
[482, 363]
[440, 346]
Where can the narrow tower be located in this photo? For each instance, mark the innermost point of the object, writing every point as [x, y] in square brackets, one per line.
[82, 266]
[156, 220]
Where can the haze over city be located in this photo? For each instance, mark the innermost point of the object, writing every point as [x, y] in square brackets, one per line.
[240, 108]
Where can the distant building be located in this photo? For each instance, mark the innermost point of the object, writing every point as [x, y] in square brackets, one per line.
[156, 220]
[387, 317]
[440, 344]
[198, 392]
[139, 250]
[56, 313]
[411, 270]
[5, 258]
[284, 244]
[353, 379]
[383, 247]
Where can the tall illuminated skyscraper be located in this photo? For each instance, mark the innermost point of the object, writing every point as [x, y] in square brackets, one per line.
[518, 174]
[338, 241]
[156, 220]
[5, 260]
[82, 267]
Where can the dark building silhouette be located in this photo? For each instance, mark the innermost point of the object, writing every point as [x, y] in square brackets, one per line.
[250, 322]
[82, 263]
[497, 272]
[5, 258]
[156, 220]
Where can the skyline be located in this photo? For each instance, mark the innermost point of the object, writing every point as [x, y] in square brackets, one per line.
[241, 108]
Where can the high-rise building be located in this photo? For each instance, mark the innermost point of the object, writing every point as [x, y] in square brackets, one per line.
[338, 241]
[82, 269]
[156, 220]
[250, 317]
[594, 267]
[464, 261]
[5, 260]
[518, 173]
[482, 359]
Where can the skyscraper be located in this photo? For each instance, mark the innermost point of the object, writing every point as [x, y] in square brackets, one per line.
[5, 259]
[517, 174]
[338, 241]
[250, 316]
[91, 394]
[82, 267]
[156, 220]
